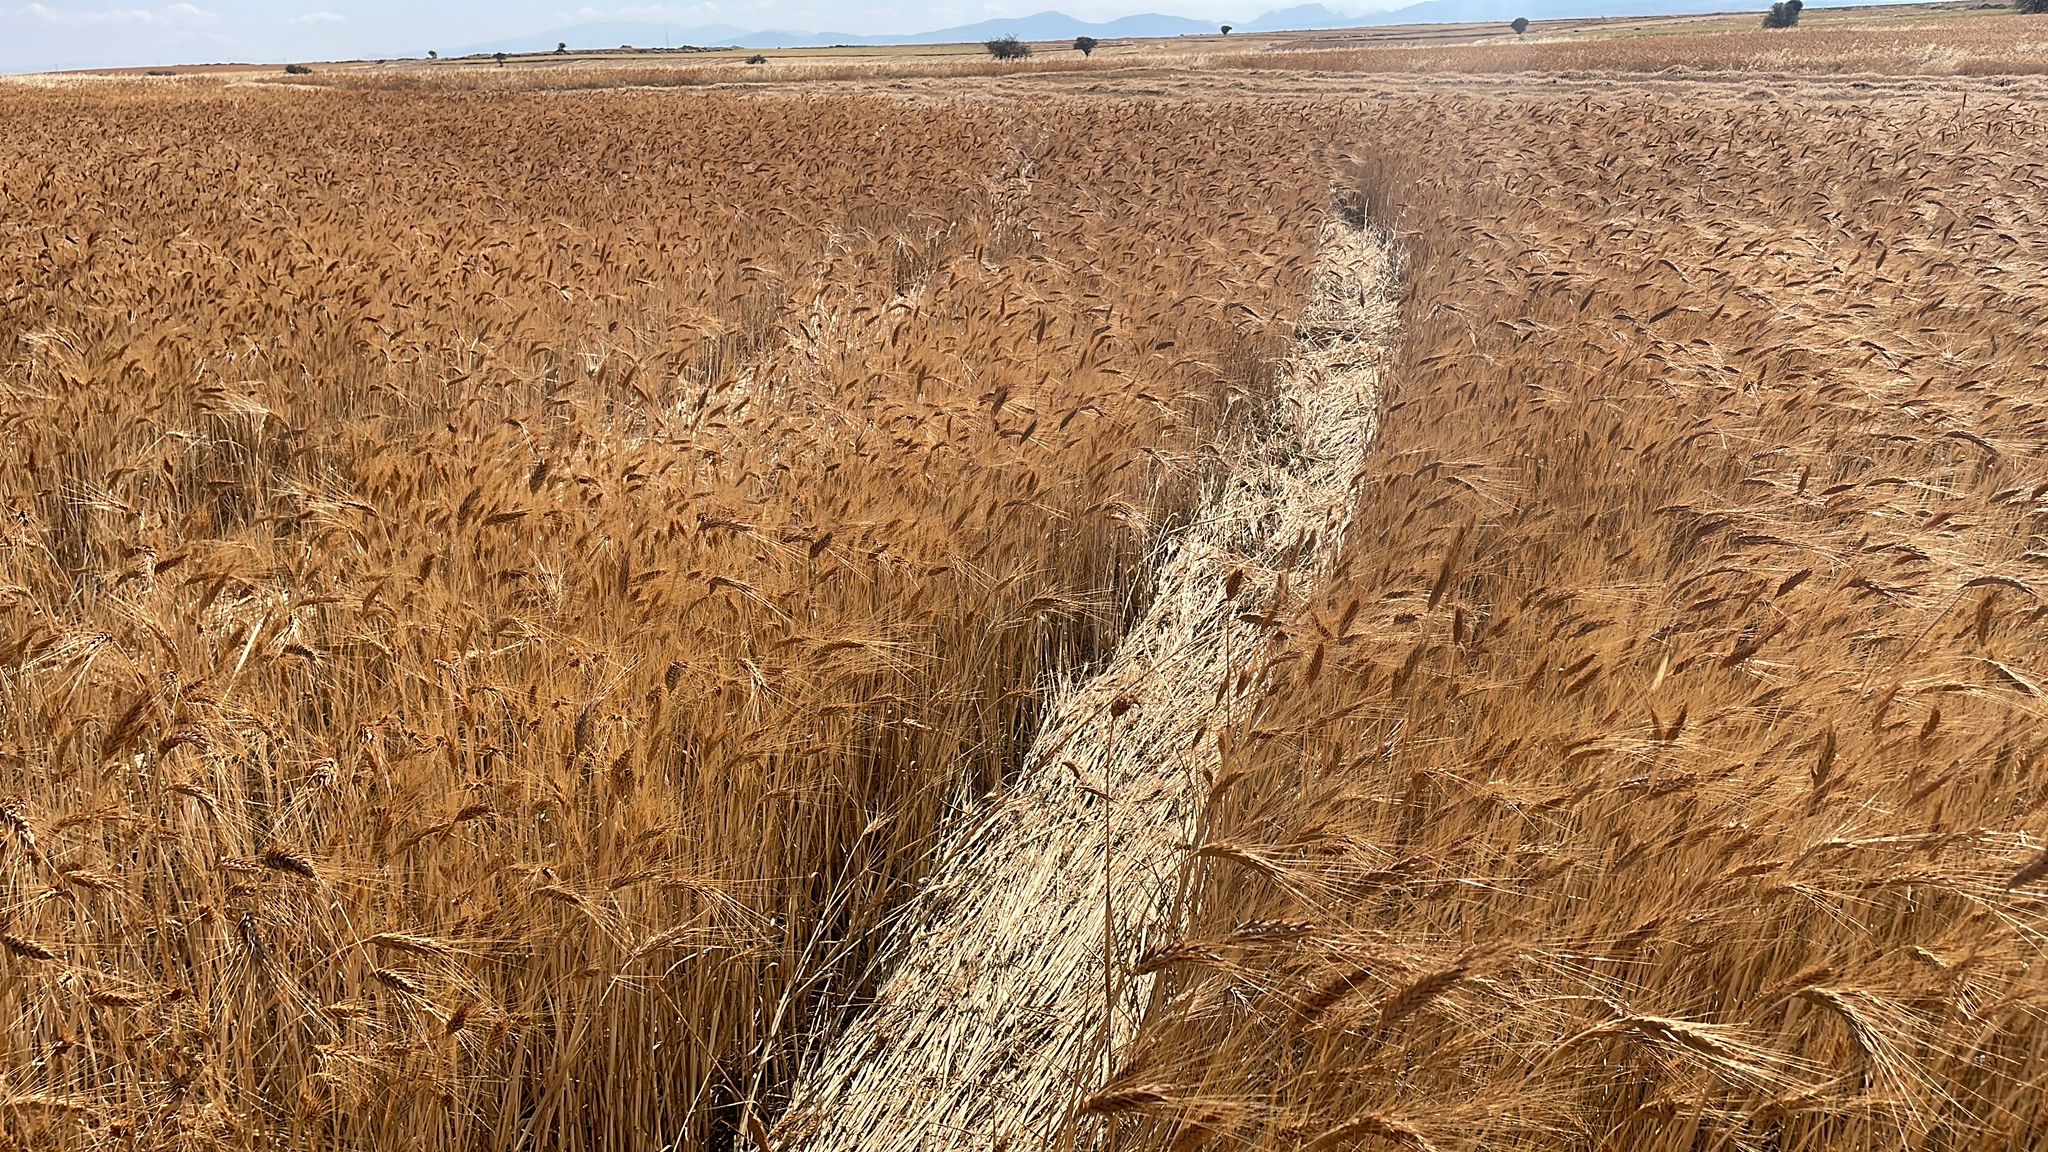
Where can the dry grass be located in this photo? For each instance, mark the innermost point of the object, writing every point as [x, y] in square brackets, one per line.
[1662, 769]
[500, 591]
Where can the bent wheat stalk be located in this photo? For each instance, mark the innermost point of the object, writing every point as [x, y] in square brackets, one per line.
[994, 1001]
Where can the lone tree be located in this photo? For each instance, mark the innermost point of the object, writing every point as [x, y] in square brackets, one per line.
[1520, 25]
[433, 55]
[1783, 14]
[1085, 45]
[1007, 48]
[2030, 7]
[561, 47]
[1226, 29]
[500, 58]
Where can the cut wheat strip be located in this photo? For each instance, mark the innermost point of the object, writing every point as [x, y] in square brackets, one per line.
[990, 1023]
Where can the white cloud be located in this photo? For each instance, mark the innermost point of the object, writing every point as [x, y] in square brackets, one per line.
[318, 18]
[168, 16]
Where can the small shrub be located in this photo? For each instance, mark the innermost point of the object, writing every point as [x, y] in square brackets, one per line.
[298, 69]
[1783, 14]
[1007, 48]
[757, 58]
[1520, 25]
[1086, 45]
[161, 72]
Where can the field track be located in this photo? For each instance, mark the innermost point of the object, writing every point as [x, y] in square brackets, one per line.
[991, 1024]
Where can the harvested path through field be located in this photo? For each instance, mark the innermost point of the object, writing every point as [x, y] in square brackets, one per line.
[995, 1017]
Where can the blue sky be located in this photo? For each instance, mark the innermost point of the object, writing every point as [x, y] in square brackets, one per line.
[43, 34]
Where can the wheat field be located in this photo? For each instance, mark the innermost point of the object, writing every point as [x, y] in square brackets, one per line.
[495, 613]
[509, 588]
[1662, 771]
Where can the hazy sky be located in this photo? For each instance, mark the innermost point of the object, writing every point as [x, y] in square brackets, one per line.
[94, 33]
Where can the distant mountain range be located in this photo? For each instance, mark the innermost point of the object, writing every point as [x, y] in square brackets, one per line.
[1056, 26]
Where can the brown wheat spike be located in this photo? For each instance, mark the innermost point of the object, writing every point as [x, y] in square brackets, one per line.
[1115, 1101]
[407, 942]
[13, 816]
[279, 859]
[2029, 872]
[1380, 1127]
[399, 980]
[26, 949]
